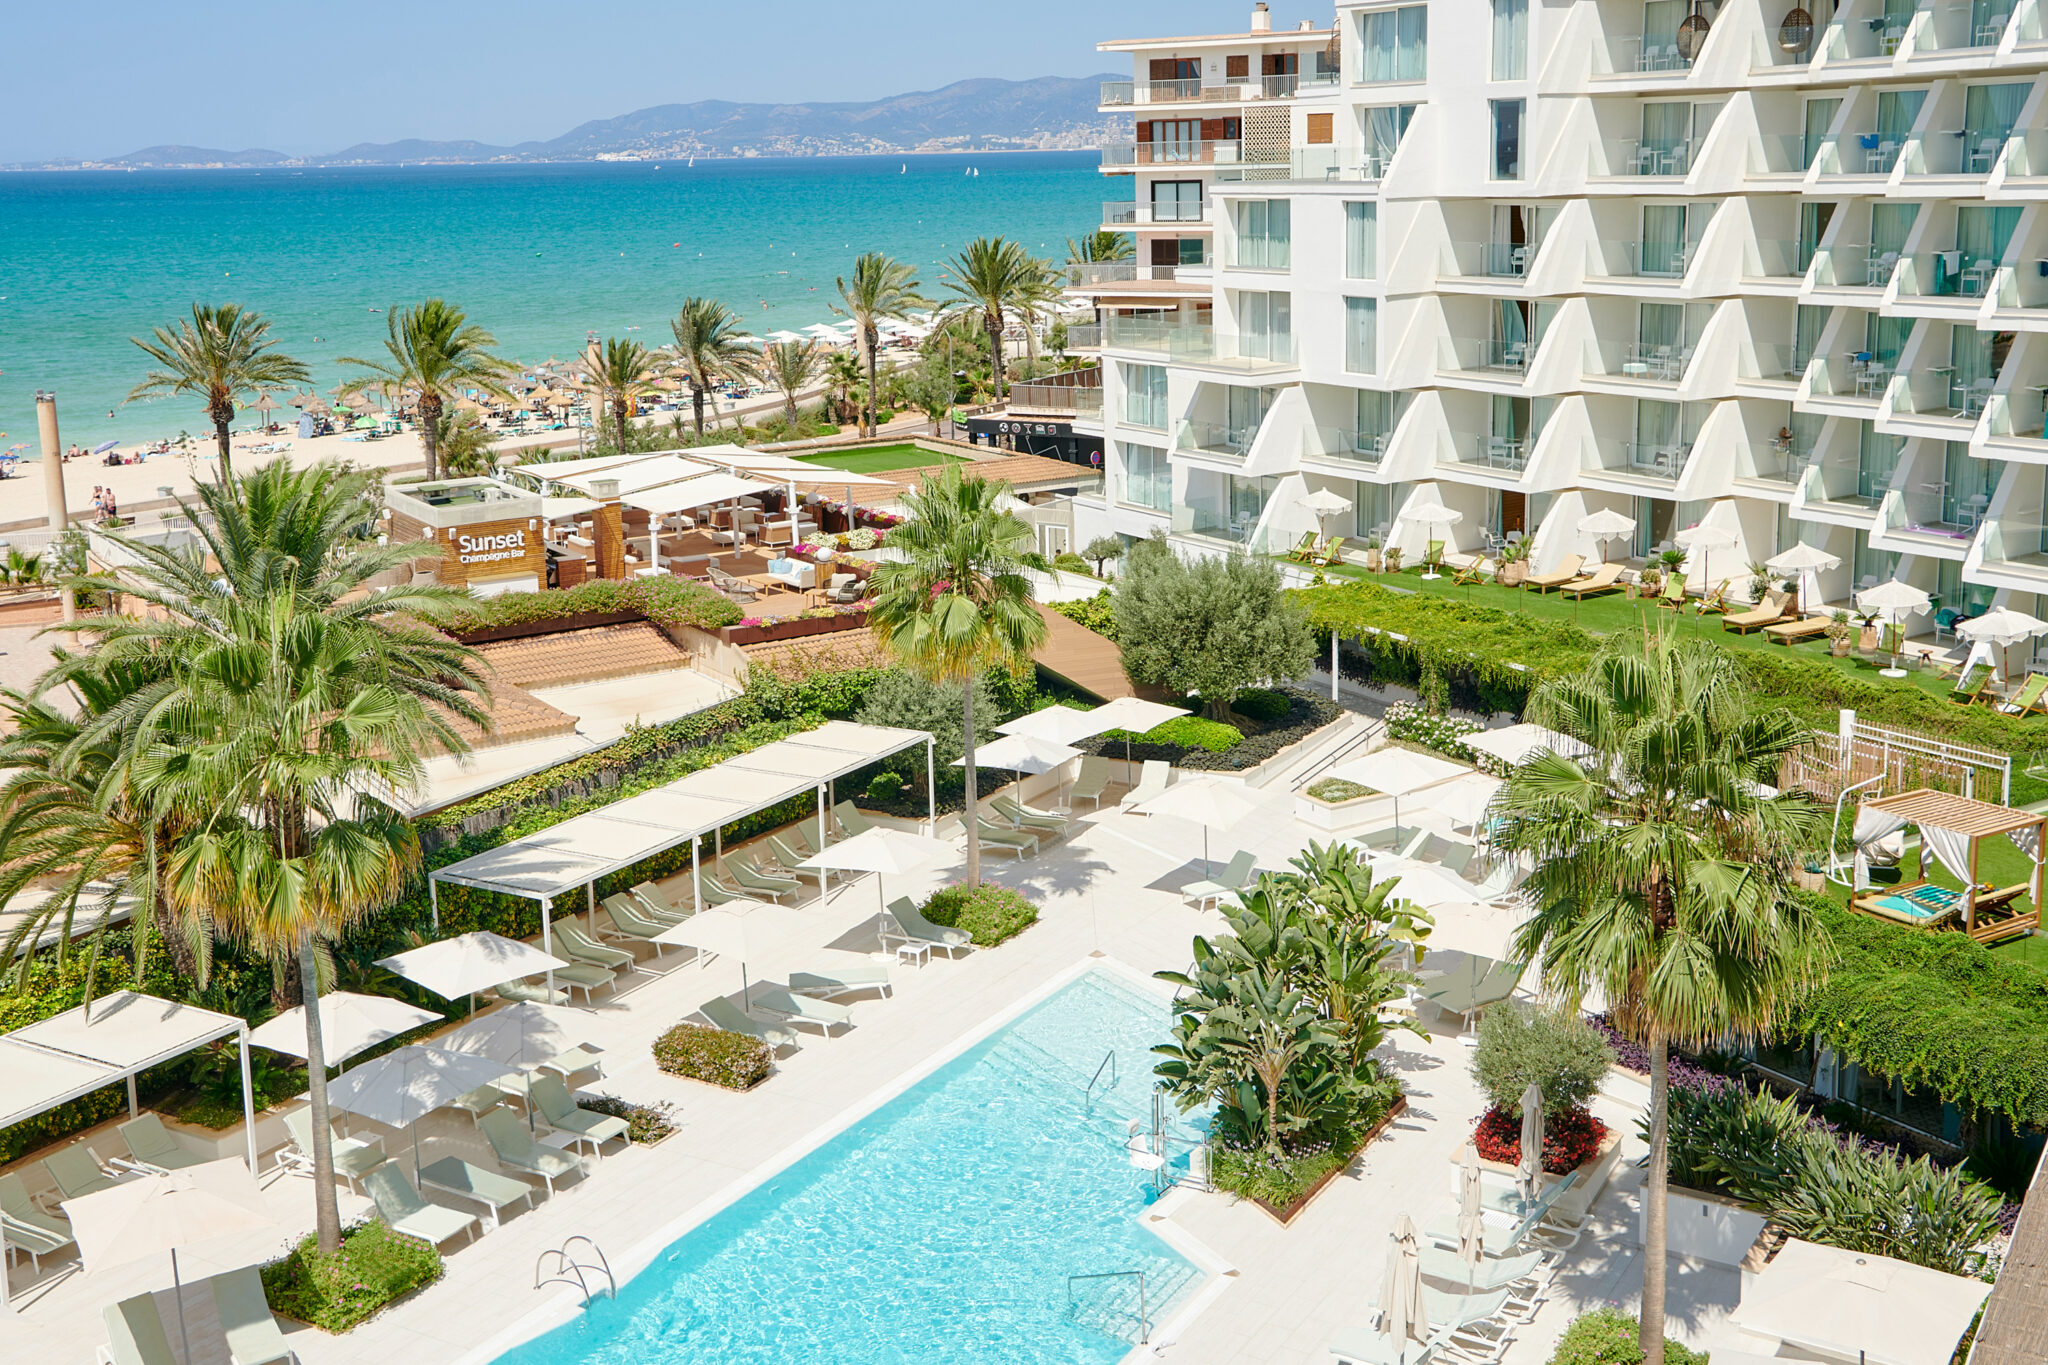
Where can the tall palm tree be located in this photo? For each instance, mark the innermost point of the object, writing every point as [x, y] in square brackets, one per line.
[991, 279]
[224, 353]
[433, 350]
[842, 373]
[1662, 871]
[712, 345]
[1099, 245]
[881, 288]
[789, 365]
[288, 686]
[621, 372]
[462, 444]
[957, 604]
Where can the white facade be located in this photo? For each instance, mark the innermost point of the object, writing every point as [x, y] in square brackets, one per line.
[1537, 260]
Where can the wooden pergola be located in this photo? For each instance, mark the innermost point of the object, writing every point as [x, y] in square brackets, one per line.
[1976, 821]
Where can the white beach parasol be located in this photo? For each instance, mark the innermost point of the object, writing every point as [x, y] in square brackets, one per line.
[1134, 715]
[2003, 627]
[1021, 754]
[1056, 724]
[1529, 1171]
[408, 1083]
[455, 967]
[1605, 525]
[881, 851]
[1211, 802]
[1428, 508]
[1806, 562]
[1706, 540]
[740, 929]
[1898, 601]
[349, 1023]
[1324, 504]
[1516, 743]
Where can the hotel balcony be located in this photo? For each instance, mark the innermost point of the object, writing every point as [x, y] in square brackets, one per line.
[1964, 29]
[1854, 266]
[1770, 370]
[1118, 157]
[1310, 166]
[1637, 363]
[1505, 455]
[2009, 553]
[1129, 94]
[1121, 215]
[1484, 359]
[1632, 462]
[1129, 277]
[1344, 446]
[1218, 440]
[1648, 159]
[1070, 393]
[1492, 262]
[1786, 154]
[1639, 260]
[1202, 346]
[1777, 265]
[1638, 54]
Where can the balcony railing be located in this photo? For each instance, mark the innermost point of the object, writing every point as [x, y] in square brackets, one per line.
[1126, 213]
[1059, 394]
[1642, 361]
[1217, 438]
[1654, 459]
[1778, 260]
[1117, 93]
[1776, 364]
[1791, 153]
[1510, 453]
[1638, 53]
[1955, 151]
[1083, 274]
[1084, 336]
[1866, 153]
[1508, 358]
[1119, 213]
[1878, 35]
[1501, 260]
[1201, 344]
[1654, 157]
[1311, 165]
[1344, 444]
[1655, 260]
[1962, 27]
[1946, 274]
[1187, 152]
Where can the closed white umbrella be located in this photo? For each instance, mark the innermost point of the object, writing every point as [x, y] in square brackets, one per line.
[1605, 525]
[2003, 627]
[881, 851]
[468, 963]
[154, 1214]
[1529, 1171]
[742, 930]
[1211, 802]
[1806, 562]
[1896, 600]
[1471, 1220]
[1404, 1315]
[349, 1023]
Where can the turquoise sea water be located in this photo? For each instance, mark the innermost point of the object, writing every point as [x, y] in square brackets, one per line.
[939, 1230]
[541, 255]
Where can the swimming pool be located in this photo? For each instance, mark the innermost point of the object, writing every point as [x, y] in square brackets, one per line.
[941, 1228]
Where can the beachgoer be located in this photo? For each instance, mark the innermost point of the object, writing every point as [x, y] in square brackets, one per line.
[113, 508]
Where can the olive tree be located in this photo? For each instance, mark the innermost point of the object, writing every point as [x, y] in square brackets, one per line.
[1209, 626]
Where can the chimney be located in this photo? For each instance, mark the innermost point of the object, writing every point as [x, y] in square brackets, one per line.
[1306, 26]
[1262, 18]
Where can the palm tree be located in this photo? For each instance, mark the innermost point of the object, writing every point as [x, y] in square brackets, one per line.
[463, 444]
[957, 604]
[789, 365]
[622, 372]
[880, 289]
[224, 353]
[842, 373]
[287, 687]
[433, 350]
[992, 278]
[1662, 870]
[1099, 245]
[712, 345]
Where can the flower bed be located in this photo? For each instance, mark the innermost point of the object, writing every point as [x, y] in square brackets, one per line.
[1570, 1139]
[646, 1124]
[733, 1061]
[992, 914]
[1411, 724]
[1286, 1185]
[374, 1268]
[1336, 789]
[752, 630]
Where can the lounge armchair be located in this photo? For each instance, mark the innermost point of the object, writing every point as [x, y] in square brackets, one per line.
[800, 1009]
[135, 1334]
[1768, 612]
[843, 589]
[1789, 633]
[1971, 684]
[1472, 985]
[791, 861]
[1672, 595]
[1605, 579]
[2028, 698]
[851, 821]
[830, 981]
[1022, 816]
[153, 1147]
[1091, 781]
[517, 1151]
[453, 1175]
[353, 1159]
[1151, 782]
[77, 1171]
[739, 590]
[402, 1209]
[657, 906]
[246, 1320]
[913, 927]
[1566, 571]
[627, 922]
[562, 1112]
[730, 1018]
[1016, 842]
[26, 1228]
[1231, 879]
[762, 883]
[574, 942]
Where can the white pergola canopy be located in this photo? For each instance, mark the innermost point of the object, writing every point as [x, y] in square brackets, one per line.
[700, 491]
[1857, 1305]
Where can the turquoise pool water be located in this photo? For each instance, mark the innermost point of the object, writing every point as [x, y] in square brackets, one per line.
[939, 1230]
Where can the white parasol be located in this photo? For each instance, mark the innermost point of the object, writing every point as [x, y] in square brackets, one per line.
[1898, 601]
[349, 1023]
[1806, 563]
[1429, 509]
[1605, 525]
[2003, 627]
[1211, 802]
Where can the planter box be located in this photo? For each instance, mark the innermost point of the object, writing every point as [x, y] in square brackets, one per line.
[554, 625]
[1292, 1211]
[1705, 1226]
[793, 629]
[1332, 817]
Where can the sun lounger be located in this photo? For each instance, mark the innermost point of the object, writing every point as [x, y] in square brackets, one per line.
[1021, 815]
[1443, 1263]
[913, 927]
[153, 1147]
[729, 1017]
[245, 1318]
[1792, 632]
[1768, 612]
[800, 1009]
[851, 821]
[1231, 879]
[562, 1112]
[627, 921]
[1471, 986]
[658, 907]
[2028, 698]
[1566, 571]
[353, 1159]
[1606, 578]
[402, 1209]
[515, 1150]
[1970, 686]
[574, 942]
[840, 981]
[1151, 782]
[1474, 571]
[531, 993]
[1364, 1346]
[762, 883]
[77, 1171]
[790, 859]
[135, 1334]
[25, 1228]
[1016, 842]
[478, 1102]
[1091, 781]
[454, 1176]
[569, 1061]
[716, 892]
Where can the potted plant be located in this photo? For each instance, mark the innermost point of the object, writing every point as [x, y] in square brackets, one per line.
[1514, 564]
[1372, 553]
[1649, 579]
[1759, 581]
[1841, 634]
[1867, 639]
[1391, 557]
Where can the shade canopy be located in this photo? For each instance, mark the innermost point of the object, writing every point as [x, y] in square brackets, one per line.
[349, 1023]
[634, 477]
[515, 1035]
[1802, 558]
[2001, 626]
[1606, 524]
[880, 850]
[408, 1083]
[554, 509]
[1895, 599]
[1705, 537]
[1425, 884]
[1430, 510]
[1517, 743]
[1135, 714]
[1324, 503]
[1211, 802]
[1464, 798]
[96, 1045]
[468, 963]
[1057, 724]
[701, 491]
[1021, 754]
[1856, 1305]
[151, 1215]
[1398, 772]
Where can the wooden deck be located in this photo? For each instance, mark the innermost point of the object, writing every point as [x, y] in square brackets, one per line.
[1076, 654]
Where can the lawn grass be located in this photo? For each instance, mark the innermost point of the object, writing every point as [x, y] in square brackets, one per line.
[880, 459]
[2000, 862]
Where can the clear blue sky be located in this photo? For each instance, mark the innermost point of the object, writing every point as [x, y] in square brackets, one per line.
[107, 78]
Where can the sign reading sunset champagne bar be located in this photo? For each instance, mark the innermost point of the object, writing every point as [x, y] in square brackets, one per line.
[489, 534]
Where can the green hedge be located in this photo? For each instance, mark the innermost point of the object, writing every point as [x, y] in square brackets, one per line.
[1095, 613]
[732, 1060]
[1193, 732]
[375, 1267]
[1608, 1336]
[671, 602]
[992, 914]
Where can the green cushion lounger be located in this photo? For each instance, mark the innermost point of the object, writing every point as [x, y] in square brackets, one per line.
[763, 883]
[913, 927]
[569, 1061]
[1231, 879]
[246, 1321]
[1017, 813]
[353, 1159]
[799, 1009]
[716, 892]
[840, 981]
[517, 1151]
[1443, 1263]
[788, 857]
[851, 821]
[478, 1102]
[1091, 781]
[655, 904]
[1364, 1346]
[153, 1146]
[530, 992]
[1503, 1242]
[453, 1175]
[402, 1209]
[1016, 842]
[77, 1171]
[572, 941]
[135, 1333]
[562, 1112]
[26, 1228]
[628, 922]
[1472, 985]
[725, 1015]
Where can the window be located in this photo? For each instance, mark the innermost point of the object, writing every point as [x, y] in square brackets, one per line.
[1266, 322]
[1148, 477]
[1507, 139]
[1237, 67]
[1361, 335]
[1264, 233]
[1394, 44]
[1820, 116]
[1384, 125]
[1510, 39]
[1176, 201]
[1361, 241]
[1321, 129]
[1145, 396]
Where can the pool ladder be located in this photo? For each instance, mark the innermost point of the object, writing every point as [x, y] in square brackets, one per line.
[1144, 1313]
[1108, 1063]
[568, 1270]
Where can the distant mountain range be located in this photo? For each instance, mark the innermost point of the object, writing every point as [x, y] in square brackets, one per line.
[985, 114]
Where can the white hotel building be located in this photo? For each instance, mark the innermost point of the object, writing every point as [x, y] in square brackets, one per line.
[1738, 264]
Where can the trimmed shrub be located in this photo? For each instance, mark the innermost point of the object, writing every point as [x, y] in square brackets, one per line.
[1192, 732]
[646, 1123]
[670, 602]
[992, 914]
[1073, 563]
[1261, 704]
[1095, 613]
[1608, 1336]
[884, 787]
[731, 1060]
[1553, 1048]
[1336, 789]
[374, 1267]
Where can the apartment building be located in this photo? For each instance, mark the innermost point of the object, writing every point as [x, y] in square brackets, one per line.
[1777, 272]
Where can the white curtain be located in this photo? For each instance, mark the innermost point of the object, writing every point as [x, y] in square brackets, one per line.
[1952, 851]
[1871, 826]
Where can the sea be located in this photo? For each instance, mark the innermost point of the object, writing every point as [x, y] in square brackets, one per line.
[543, 256]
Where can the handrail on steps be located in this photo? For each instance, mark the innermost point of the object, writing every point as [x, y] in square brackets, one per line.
[1108, 1061]
[569, 1270]
[1144, 1311]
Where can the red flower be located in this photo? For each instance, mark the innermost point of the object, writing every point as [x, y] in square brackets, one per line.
[1569, 1139]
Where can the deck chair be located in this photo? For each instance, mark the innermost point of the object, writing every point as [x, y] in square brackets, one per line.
[404, 1211]
[1789, 633]
[26, 1228]
[628, 922]
[913, 927]
[531, 993]
[352, 1158]
[135, 1334]
[1606, 578]
[1768, 612]
[1970, 686]
[730, 1018]
[752, 879]
[654, 902]
[1091, 781]
[1232, 878]
[2028, 698]
[1478, 571]
[516, 1150]
[1442, 1263]
[1016, 842]
[574, 942]
[77, 1171]
[799, 1009]
[851, 821]
[1672, 596]
[1716, 599]
[478, 1102]
[1471, 986]
[1151, 782]
[1021, 815]
[562, 1112]
[246, 1320]
[153, 1147]
[1566, 571]
[830, 981]
[790, 859]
